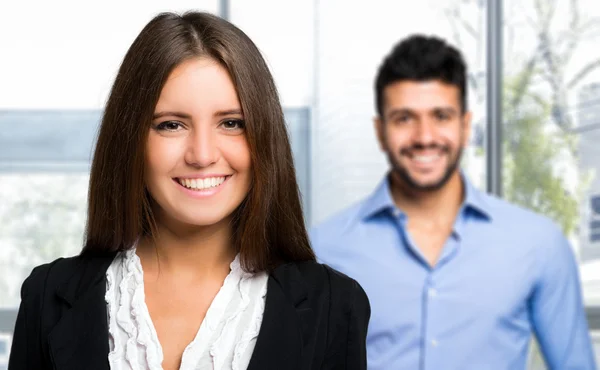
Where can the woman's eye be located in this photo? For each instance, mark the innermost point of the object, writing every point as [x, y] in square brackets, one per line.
[233, 124]
[168, 126]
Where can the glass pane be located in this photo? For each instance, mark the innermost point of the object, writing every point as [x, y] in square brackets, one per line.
[298, 124]
[552, 125]
[42, 218]
[5, 341]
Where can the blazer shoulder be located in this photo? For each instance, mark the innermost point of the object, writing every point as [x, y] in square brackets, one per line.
[71, 275]
[346, 316]
[347, 291]
[319, 273]
[48, 275]
[341, 289]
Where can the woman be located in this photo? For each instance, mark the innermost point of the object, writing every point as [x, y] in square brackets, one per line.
[196, 253]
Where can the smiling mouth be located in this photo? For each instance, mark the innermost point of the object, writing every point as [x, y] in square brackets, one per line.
[202, 184]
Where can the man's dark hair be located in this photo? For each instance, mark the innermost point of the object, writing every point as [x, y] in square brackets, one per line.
[422, 58]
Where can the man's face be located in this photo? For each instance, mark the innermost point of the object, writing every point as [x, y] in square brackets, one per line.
[423, 132]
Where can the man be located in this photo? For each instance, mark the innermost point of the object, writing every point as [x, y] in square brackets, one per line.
[457, 279]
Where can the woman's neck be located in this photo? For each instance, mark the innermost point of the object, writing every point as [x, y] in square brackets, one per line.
[188, 252]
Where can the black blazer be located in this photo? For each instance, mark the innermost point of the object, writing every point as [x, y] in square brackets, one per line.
[315, 318]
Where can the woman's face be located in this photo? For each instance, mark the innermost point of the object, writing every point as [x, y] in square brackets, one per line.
[198, 162]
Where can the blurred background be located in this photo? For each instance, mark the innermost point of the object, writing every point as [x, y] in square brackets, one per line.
[58, 60]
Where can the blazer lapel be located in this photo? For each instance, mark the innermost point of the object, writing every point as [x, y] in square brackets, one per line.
[80, 339]
[287, 321]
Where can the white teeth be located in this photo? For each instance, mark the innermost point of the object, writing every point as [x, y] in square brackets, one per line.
[425, 158]
[202, 184]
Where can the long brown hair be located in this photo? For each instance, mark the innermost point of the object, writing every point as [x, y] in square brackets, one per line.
[268, 227]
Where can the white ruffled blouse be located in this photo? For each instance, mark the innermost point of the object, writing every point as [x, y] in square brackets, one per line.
[226, 337]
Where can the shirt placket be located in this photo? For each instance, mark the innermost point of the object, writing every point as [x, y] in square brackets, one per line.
[431, 306]
[433, 310]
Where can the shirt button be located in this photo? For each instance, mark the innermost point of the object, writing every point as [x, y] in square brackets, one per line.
[434, 343]
[396, 212]
[432, 292]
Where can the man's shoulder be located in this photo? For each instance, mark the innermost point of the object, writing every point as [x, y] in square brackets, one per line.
[337, 224]
[513, 217]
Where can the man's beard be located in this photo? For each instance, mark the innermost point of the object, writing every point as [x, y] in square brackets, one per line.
[404, 175]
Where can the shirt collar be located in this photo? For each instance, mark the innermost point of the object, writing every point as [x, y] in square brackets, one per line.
[381, 200]
[475, 199]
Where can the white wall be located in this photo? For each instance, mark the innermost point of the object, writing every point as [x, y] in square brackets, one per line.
[284, 32]
[64, 54]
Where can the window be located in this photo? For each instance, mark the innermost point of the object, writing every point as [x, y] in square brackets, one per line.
[551, 129]
[44, 164]
[298, 122]
[5, 341]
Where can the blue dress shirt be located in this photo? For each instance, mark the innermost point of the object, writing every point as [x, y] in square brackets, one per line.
[504, 273]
